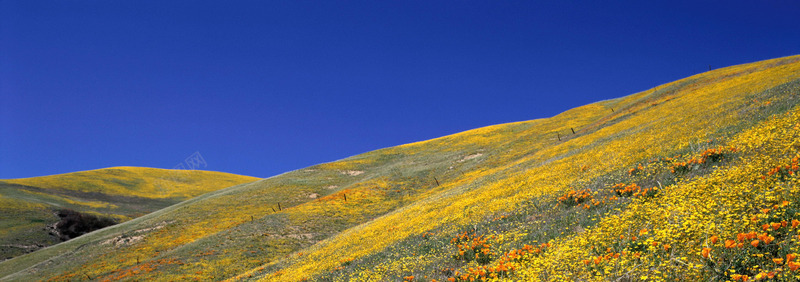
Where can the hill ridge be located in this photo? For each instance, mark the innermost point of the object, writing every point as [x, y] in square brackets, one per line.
[528, 207]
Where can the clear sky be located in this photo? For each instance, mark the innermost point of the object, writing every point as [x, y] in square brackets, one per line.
[264, 87]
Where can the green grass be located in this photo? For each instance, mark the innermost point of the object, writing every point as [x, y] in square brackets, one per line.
[29, 205]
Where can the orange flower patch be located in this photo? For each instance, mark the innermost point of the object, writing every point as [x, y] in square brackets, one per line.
[573, 198]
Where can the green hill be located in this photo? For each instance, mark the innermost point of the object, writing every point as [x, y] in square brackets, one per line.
[672, 183]
[28, 205]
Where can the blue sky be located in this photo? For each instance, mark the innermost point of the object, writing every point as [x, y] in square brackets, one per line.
[263, 87]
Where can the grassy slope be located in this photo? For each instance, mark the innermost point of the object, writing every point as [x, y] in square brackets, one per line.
[405, 204]
[680, 117]
[28, 204]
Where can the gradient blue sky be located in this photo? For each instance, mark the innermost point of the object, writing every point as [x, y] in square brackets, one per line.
[264, 87]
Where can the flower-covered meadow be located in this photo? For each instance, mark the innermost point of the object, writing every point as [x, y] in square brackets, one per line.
[138, 181]
[691, 180]
[28, 205]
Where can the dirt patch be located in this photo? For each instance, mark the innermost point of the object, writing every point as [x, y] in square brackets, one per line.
[470, 157]
[133, 237]
[158, 226]
[302, 236]
[353, 172]
[332, 187]
[20, 246]
[123, 240]
[313, 195]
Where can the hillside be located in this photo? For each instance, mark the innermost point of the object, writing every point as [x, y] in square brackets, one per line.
[121, 193]
[692, 180]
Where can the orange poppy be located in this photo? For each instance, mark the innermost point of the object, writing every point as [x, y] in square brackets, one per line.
[793, 265]
[706, 252]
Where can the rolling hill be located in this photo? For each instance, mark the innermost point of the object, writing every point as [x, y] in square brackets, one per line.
[28, 205]
[691, 180]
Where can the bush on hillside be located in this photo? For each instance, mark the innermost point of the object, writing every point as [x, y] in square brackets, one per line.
[74, 224]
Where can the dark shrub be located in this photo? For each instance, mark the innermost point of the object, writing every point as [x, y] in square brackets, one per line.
[74, 224]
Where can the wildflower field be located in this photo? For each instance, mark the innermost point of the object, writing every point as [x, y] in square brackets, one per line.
[694, 180]
[27, 205]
